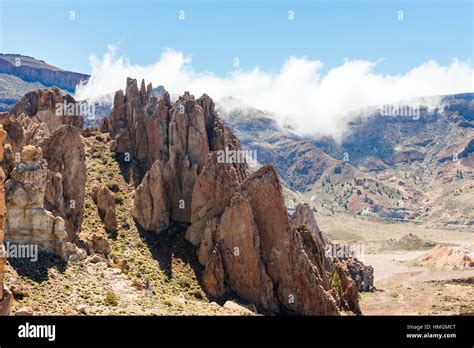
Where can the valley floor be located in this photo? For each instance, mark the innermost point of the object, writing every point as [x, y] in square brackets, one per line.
[403, 286]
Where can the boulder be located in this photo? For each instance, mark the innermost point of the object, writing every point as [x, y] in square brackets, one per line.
[105, 200]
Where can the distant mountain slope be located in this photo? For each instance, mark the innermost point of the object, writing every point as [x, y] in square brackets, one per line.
[388, 167]
[32, 70]
[22, 74]
[12, 88]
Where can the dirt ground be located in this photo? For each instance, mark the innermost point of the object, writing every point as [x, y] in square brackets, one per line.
[403, 286]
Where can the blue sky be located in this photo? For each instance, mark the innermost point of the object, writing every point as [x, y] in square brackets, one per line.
[257, 32]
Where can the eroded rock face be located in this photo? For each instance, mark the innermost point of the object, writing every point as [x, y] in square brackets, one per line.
[300, 284]
[238, 242]
[147, 129]
[43, 105]
[151, 209]
[64, 151]
[245, 239]
[362, 275]
[265, 259]
[27, 222]
[303, 215]
[139, 124]
[344, 288]
[105, 200]
[5, 295]
[212, 191]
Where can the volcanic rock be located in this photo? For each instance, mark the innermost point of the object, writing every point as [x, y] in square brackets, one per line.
[446, 257]
[44, 104]
[27, 222]
[64, 151]
[105, 200]
[5, 295]
[245, 239]
[303, 215]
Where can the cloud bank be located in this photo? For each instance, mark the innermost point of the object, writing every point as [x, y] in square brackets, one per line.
[299, 94]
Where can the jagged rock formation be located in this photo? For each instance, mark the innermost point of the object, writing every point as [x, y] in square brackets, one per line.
[5, 295]
[239, 223]
[146, 129]
[303, 215]
[34, 122]
[67, 173]
[27, 222]
[362, 275]
[43, 105]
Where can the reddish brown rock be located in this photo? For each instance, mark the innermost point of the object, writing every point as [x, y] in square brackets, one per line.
[299, 283]
[238, 242]
[345, 289]
[139, 126]
[239, 224]
[15, 131]
[213, 275]
[98, 245]
[213, 189]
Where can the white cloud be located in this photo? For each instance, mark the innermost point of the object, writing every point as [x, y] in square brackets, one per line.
[299, 94]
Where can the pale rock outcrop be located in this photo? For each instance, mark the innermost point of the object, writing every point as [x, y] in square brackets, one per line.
[27, 222]
[447, 258]
[64, 151]
[151, 208]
